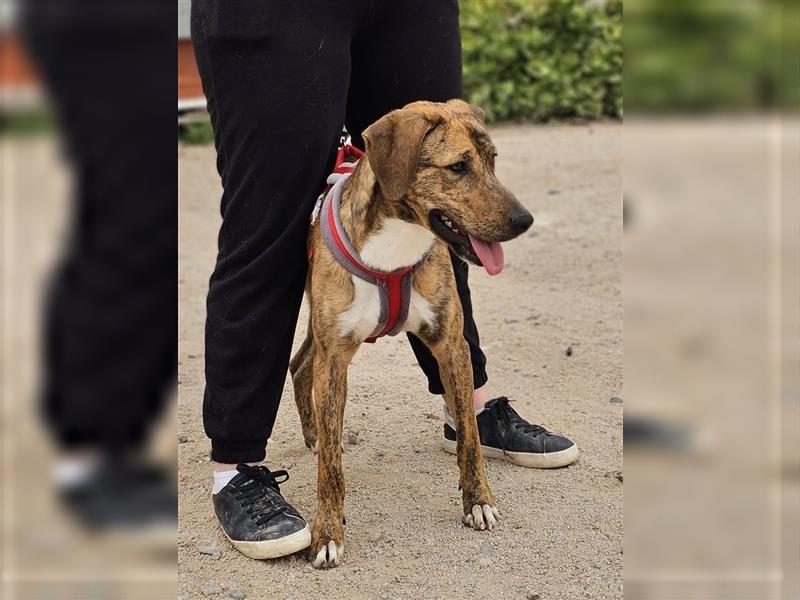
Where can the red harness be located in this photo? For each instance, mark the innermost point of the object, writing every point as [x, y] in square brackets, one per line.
[394, 286]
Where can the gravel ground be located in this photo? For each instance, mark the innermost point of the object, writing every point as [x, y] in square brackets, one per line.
[561, 531]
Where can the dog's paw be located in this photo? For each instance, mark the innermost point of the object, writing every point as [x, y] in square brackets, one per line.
[481, 517]
[327, 556]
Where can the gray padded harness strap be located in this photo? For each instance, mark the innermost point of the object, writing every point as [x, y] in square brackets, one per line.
[356, 267]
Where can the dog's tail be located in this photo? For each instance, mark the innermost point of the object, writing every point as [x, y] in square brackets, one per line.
[301, 368]
[304, 352]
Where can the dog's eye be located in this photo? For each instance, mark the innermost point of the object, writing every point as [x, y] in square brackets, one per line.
[459, 167]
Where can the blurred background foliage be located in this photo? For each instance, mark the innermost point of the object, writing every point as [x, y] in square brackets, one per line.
[542, 60]
[687, 56]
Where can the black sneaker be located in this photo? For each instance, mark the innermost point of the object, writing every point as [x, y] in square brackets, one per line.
[507, 436]
[256, 518]
[127, 498]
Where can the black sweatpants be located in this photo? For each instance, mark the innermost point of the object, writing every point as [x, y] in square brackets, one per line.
[281, 78]
[110, 333]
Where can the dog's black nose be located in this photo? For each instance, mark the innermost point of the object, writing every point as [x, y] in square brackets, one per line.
[520, 220]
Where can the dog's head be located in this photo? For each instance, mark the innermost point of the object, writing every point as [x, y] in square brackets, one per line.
[435, 163]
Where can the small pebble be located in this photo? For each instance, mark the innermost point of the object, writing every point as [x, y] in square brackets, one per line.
[210, 589]
[510, 321]
[616, 400]
[352, 438]
[213, 551]
[533, 596]
[182, 439]
[569, 351]
[287, 463]
[236, 594]
[486, 549]
[375, 536]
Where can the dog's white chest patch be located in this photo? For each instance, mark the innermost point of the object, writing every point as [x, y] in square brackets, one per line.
[395, 245]
[419, 312]
[362, 317]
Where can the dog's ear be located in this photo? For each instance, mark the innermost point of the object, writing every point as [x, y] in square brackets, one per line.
[393, 145]
[478, 113]
[459, 106]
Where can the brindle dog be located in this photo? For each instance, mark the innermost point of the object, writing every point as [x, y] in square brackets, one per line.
[425, 184]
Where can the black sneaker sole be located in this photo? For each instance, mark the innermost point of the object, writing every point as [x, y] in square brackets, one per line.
[550, 460]
[274, 548]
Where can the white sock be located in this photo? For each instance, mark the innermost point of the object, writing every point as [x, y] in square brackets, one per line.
[72, 471]
[222, 478]
[449, 417]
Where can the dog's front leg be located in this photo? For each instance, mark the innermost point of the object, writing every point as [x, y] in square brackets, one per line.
[455, 370]
[330, 392]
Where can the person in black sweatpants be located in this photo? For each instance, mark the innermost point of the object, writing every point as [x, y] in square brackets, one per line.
[281, 78]
[110, 324]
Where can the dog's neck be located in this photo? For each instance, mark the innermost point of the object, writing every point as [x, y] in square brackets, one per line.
[386, 234]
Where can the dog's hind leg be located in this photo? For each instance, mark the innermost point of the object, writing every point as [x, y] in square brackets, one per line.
[302, 369]
[330, 391]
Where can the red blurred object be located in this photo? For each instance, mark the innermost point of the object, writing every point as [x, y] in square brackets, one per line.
[18, 77]
[190, 89]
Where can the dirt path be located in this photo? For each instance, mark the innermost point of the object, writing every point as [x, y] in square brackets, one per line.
[561, 531]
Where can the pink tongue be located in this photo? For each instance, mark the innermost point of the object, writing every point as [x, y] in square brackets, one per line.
[490, 253]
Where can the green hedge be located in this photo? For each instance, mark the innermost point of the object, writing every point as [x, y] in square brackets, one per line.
[703, 56]
[533, 60]
[543, 59]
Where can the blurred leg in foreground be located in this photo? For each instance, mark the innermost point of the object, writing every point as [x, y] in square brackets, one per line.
[110, 330]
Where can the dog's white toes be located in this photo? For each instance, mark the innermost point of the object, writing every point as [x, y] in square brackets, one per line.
[329, 556]
[477, 517]
[481, 517]
[333, 554]
[488, 516]
[321, 560]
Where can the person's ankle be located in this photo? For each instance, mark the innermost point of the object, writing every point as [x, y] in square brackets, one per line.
[224, 472]
[75, 467]
[218, 467]
[480, 397]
